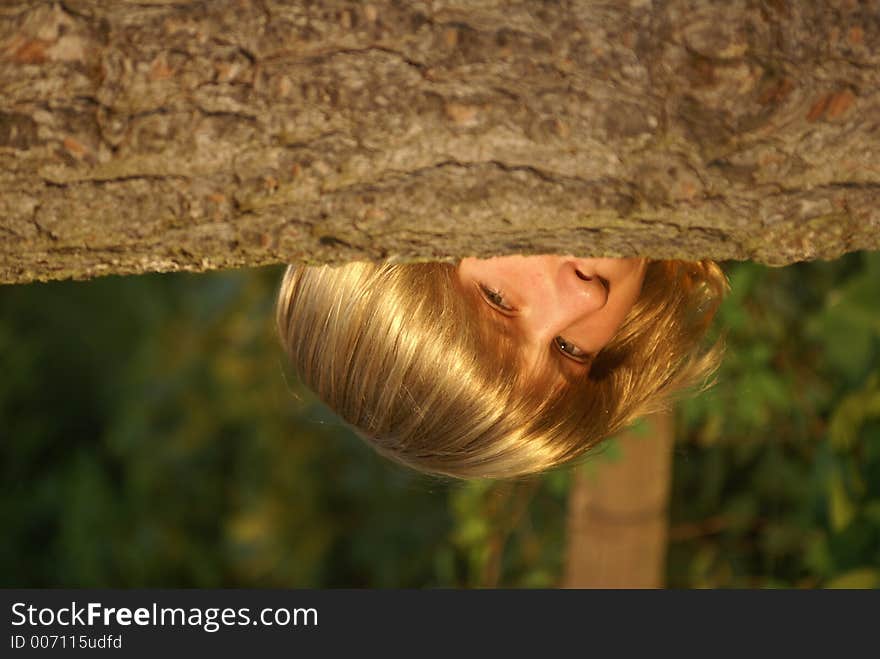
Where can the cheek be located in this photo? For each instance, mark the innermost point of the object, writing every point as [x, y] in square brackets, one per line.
[618, 315]
[607, 332]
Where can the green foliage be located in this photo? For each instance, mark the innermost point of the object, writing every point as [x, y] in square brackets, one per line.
[151, 435]
[777, 473]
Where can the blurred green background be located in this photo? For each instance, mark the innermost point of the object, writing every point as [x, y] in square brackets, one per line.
[152, 435]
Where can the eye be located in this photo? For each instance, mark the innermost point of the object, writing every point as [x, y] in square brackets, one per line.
[571, 350]
[495, 298]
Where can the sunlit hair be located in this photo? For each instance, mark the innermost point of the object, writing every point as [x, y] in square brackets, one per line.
[403, 354]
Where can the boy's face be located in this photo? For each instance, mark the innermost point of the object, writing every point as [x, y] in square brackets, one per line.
[558, 308]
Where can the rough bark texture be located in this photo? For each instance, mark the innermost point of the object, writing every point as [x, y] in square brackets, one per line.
[617, 517]
[158, 135]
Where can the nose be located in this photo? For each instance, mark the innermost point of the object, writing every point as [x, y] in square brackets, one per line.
[569, 293]
[579, 286]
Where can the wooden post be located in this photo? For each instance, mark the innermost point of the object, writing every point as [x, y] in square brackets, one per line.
[617, 518]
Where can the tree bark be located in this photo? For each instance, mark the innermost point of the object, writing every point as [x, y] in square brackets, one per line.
[142, 136]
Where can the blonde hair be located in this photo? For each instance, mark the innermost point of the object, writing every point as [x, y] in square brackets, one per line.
[400, 353]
